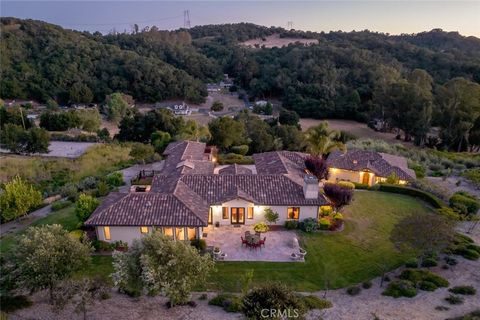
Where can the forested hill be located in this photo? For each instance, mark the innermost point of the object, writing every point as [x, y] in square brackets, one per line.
[41, 61]
[340, 77]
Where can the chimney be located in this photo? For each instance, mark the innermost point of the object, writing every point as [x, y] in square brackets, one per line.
[310, 187]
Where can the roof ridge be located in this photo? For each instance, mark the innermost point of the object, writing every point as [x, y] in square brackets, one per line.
[185, 203]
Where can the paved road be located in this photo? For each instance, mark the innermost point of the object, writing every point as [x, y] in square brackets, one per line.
[14, 226]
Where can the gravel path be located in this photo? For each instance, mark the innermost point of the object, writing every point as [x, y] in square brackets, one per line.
[17, 225]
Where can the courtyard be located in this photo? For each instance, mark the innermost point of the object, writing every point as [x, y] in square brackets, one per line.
[279, 244]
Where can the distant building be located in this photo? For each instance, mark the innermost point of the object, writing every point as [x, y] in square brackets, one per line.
[181, 109]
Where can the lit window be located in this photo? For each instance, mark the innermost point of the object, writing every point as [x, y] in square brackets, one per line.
[180, 233]
[192, 233]
[144, 230]
[224, 212]
[106, 232]
[210, 216]
[168, 232]
[250, 213]
[293, 213]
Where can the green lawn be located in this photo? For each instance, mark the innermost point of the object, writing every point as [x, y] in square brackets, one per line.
[356, 254]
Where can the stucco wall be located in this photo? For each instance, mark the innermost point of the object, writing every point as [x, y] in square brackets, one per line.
[128, 234]
[258, 213]
[353, 176]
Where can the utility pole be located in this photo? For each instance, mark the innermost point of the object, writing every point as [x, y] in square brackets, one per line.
[186, 19]
[289, 25]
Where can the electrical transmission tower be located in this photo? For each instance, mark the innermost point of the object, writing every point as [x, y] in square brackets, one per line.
[186, 19]
[289, 25]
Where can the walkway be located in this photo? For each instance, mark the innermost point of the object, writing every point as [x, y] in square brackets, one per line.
[22, 223]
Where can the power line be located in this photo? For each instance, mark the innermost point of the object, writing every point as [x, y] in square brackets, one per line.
[120, 23]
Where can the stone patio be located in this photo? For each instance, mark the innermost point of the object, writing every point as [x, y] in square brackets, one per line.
[279, 245]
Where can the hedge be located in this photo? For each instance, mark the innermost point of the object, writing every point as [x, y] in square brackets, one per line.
[427, 197]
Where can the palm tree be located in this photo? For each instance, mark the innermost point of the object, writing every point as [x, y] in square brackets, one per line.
[322, 141]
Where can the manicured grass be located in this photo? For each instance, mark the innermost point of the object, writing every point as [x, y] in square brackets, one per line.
[356, 254]
[101, 266]
[65, 217]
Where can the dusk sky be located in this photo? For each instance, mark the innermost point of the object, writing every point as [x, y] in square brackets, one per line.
[384, 16]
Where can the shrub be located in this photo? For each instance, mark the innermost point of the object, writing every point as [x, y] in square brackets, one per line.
[324, 223]
[200, 244]
[400, 288]
[313, 302]
[346, 184]
[427, 197]
[354, 290]
[271, 297]
[87, 183]
[271, 216]
[13, 303]
[115, 179]
[465, 290]
[242, 149]
[453, 299]
[412, 263]
[132, 292]
[203, 296]
[427, 286]
[464, 246]
[100, 245]
[449, 213]
[338, 216]
[58, 205]
[450, 261]
[325, 211]
[229, 302]
[366, 284]
[340, 196]
[419, 170]
[416, 276]
[85, 205]
[70, 191]
[361, 186]
[260, 227]
[77, 234]
[309, 225]
[429, 262]
[461, 200]
[102, 189]
[291, 224]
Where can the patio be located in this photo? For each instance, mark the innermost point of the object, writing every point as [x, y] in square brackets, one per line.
[279, 245]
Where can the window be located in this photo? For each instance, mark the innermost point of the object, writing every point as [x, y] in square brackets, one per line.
[106, 232]
[293, 213]
[250, 213]
[143, 230]
[168, 232]
[192, 233]
[179, 233]
[210, 216]
[224, 212]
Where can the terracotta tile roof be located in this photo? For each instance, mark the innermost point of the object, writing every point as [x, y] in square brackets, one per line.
[262, 189]
[148, 209]
[235, 169]
[381, 164]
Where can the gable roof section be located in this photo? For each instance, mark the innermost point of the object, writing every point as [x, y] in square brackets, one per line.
[147, 209]
[260, 189]
[235, 169]
[381, 164]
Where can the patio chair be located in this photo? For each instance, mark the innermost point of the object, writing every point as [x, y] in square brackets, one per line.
[262, 242]
[244, 241]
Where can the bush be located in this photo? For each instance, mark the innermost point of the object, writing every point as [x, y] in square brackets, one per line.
[100, 245]
[346, 184]
[77, 234]
[70, 190]
[354, 290]
[84, 206]
[338, 216]
[242, 149]
[200, 244]
[132, 292]
[260, 227]
[464, 201]
[313, 302]
[464, 246]
[419, 171]
[453, 299]
[103, 189]
[429, 262]
[58, 205]
[271, 297]
[87, 183]
[427, 286]
[412, 263]
[115, 179]
[203, 296]
[326, 211]
[366, 284]
[400, 288]
[291, 224]
[416, 276]
[229, 302]
[309, 225]
[465, 290]
[450, 261]
[427, 197]
[13, 303]
[324, 223]
[361, 186]
[449, 213]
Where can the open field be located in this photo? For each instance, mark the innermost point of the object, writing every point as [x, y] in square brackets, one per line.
[64, 149]
[275, 41]
[360, 130]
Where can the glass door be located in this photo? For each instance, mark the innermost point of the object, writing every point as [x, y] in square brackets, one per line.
[237, 215]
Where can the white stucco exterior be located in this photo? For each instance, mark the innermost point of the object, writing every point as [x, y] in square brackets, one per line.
[129, 233]
[336, 175]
